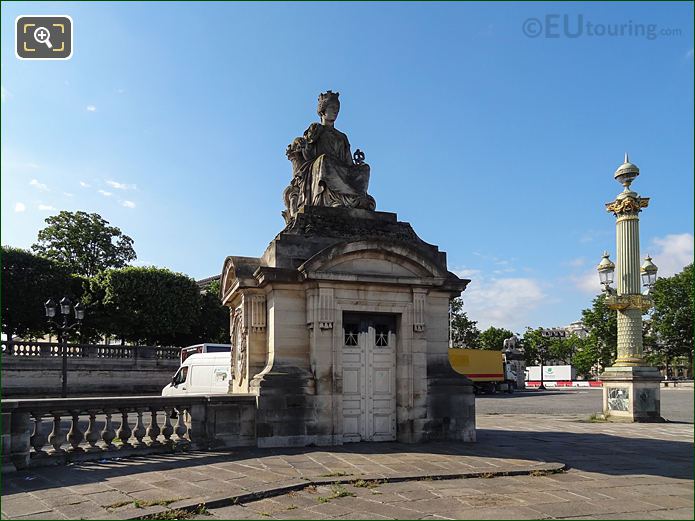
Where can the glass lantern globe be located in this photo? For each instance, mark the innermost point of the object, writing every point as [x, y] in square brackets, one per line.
[65, 305]
[606, 269]
[648, 272]
[50, 306]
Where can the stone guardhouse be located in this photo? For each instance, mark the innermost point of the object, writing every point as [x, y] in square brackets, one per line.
[341, 328]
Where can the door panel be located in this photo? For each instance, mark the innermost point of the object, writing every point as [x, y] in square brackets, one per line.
[369, 378]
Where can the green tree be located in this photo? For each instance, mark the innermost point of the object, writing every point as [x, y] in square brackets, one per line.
[672, 318]
[464, 331]
[602, 324]
[213, 319]
[493, 338]
[84, 243]
[28, 281]
[585, 357]
[535, 346]
[149, 305]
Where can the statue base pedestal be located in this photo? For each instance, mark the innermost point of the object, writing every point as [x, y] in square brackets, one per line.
[632, 394]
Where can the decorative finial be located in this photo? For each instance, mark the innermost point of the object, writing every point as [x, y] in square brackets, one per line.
[626, 173]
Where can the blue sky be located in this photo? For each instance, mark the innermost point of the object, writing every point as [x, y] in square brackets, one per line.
[171, 121]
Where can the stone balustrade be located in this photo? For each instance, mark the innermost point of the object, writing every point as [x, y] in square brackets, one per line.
[58, 431]
[30, 349]
[34, 369]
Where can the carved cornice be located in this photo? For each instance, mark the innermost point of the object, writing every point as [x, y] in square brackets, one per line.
[627, 205]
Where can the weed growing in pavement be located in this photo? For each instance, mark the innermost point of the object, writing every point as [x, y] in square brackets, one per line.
[336, 492]
[336, 474]
[177, 513]
[598, 417]
[119, 504]
[144, 503]
[361, 483]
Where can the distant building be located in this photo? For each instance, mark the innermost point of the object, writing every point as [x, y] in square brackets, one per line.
[577, 328]
[204, 283]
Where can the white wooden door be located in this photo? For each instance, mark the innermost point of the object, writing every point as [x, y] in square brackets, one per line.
[369, 378]
[354, 384]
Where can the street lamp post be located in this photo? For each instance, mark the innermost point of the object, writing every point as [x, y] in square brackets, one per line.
[63, 326]
[630, 387]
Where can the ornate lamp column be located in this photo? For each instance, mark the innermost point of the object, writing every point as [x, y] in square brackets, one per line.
[630, 388]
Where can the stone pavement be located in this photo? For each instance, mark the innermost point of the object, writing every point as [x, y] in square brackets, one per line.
[617, 471]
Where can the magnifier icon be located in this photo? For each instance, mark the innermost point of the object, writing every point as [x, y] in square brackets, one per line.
[43, 35]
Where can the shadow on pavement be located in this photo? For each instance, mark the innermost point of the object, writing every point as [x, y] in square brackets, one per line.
[601, 453]
[528, 394]
[595, 452]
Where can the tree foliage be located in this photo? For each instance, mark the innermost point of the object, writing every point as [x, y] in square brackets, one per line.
[602, 324]
[585, 357]
[493, 338]
[84, 243]
[464, 331]
[672, 318]
[538, 348]
[28, 281]
[148, 305]
[213, 319]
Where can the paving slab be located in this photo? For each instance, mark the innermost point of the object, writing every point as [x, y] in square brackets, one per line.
[614, 470]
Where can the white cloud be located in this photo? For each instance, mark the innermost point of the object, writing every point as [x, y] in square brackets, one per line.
[671, 253]
[91, 108]
[105, 193]
[4, 94]
[128, 204]
[120, 91]
[577, 263]
[587, 282]
[68, 194]
[84, 185]
[120, 186]
[45, 207]
[40, 186]
[500, 302]
[19, 207]
[21, 165]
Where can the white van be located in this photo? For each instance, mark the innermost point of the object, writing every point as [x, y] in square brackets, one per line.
[202, 373]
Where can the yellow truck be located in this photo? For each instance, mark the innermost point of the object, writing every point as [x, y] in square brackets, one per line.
[489, 370]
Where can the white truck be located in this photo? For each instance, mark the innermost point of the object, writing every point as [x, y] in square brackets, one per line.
[203, 348]
[201, 373]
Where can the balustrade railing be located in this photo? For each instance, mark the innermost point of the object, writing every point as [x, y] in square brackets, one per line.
[56, 431]
[53, 349]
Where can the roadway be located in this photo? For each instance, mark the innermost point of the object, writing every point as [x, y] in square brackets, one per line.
[676, 404]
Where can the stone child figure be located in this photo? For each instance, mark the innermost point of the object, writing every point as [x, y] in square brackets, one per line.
[325, 173]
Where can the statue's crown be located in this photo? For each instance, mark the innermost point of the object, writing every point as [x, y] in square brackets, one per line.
[328, 96]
